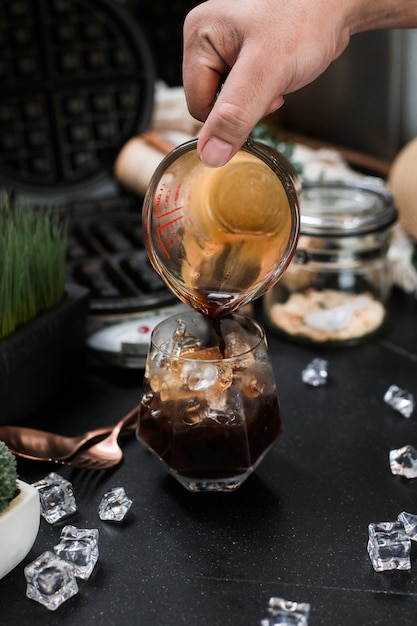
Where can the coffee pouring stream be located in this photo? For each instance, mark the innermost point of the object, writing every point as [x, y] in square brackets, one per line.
[221, 237]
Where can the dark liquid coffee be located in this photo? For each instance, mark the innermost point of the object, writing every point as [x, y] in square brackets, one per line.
[216, 321]
[210, 449]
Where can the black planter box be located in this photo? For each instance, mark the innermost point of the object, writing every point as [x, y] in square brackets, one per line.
[39, 358]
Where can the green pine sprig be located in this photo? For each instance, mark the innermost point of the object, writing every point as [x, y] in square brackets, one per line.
[33, 245]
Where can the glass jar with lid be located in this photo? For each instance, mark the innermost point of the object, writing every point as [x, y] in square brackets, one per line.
[336, 289]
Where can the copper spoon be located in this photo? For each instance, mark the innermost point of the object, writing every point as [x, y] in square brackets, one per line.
[39, 445]
[107, 452]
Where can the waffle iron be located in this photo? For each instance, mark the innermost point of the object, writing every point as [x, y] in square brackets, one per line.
[77, 81]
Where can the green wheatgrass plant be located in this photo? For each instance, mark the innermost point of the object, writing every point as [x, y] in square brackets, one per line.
[8, 477]
[33, 245]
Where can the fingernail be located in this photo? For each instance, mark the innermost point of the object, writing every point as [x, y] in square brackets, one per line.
[215, 152]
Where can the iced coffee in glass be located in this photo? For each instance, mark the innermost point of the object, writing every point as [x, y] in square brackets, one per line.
[210, 409]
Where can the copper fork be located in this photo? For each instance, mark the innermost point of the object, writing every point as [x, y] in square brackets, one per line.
[40, 445]
[106, 453]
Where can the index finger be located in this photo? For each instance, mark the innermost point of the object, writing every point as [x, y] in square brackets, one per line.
[203, 72]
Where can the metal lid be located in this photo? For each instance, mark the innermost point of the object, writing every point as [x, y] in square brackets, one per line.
[345, 208]
[126, 343]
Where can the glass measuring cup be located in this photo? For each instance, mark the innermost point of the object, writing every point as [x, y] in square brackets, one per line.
[220, 237]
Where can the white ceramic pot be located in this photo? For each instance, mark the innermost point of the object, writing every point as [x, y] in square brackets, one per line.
[19, 525]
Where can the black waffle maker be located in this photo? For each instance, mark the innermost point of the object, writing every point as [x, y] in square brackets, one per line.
[77, 81]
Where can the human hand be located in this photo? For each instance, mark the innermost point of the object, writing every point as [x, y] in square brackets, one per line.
[265, 50]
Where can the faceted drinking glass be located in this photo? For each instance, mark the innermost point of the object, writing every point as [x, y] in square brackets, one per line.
[210, 410]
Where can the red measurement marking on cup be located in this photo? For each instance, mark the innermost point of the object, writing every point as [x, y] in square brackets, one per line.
[168, 234]
[163, 201]
[166, 204]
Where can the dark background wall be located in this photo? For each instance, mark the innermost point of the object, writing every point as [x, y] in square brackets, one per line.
[162, 21]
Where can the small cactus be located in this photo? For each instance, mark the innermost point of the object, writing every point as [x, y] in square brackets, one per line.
[8, 477]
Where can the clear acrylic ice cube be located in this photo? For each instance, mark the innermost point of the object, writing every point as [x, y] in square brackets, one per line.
[198, 376]
[114, 505]
[50, 580]
[286, 613]
[56, 497]
[180, 342]
[238, 347]
[409, 521]
[400, 400]
[315, 373]
[79, 546]
[403, 461]
[389, 546]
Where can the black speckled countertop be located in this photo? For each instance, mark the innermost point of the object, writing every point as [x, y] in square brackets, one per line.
[297, 528]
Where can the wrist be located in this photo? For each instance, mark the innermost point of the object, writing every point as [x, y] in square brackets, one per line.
[381, 14]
